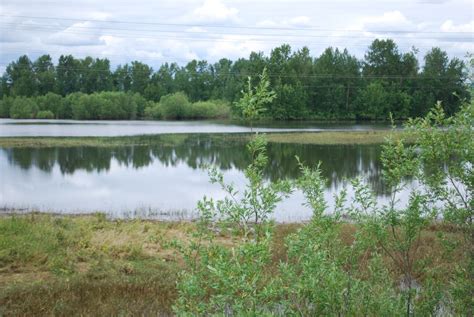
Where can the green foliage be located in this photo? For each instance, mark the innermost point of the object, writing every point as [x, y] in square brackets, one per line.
[209, 109]
[51, 102]
[380, 269]
[443, 164]
[233, 280]
[333, 85]
[253, 101]
[45, 114]
[5, 106]
[153, 111]
[174, 106]
[23, 108]
[177, 106]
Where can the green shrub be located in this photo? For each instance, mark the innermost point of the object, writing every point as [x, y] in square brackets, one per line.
[209, 109]
[383, 268]
[5, 106]
[23, 108]
[153, 111]
[51, 102]
[175, 106]
[45, 114]
[233, 280]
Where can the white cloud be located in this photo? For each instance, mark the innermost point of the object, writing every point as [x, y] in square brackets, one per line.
[449, 26]
[214, 11]
[300, 21]
[267, 23]
[388, 21]
[101, 16]
[78, 34]
[297, 21]
[196, 29]
[123, 43]
[235, 46]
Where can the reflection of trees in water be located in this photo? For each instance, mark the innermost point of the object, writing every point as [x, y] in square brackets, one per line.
[339, 162]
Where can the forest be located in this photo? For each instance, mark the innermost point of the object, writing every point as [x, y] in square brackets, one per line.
[333, 86]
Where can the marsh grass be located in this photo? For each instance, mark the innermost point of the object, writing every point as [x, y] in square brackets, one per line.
[333, 137]
[90, 265]
[326, 137]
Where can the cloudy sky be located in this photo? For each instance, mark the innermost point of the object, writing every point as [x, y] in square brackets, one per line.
[155, 31]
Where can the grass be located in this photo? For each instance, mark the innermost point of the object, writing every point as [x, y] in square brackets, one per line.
[329, 137]
[334, 137]
[90, 265]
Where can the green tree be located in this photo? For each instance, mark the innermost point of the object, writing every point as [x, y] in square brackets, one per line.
[122, 78]
[95, 75]
[68, 75]
[140, 77]
[336, 82]
[20, 77]
[45, 73]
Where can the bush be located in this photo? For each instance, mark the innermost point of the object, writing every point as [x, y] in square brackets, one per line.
[111, 106]
[51, 102]
[209, 109]
[175, 106]
[23, 108]
[153, 111]
[117, 106]
[45, 114]
[5, 106]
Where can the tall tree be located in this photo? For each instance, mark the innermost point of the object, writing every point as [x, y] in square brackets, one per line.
[336, 81]
[68, 75]
[444, 80]
[122, 78]
[20, 77]
[45, 74]
[140, 74]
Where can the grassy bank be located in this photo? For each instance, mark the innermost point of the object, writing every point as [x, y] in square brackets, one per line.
[330, 137]
[82, 265]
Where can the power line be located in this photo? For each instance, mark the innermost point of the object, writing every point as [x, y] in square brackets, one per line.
[226, 26]
[59, 28]
[229, 40]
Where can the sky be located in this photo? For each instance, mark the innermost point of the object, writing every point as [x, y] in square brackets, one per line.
[161, 31]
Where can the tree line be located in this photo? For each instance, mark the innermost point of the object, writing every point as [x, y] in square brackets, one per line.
[334, 85]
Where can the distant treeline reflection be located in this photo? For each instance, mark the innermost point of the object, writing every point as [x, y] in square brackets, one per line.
[339, 162]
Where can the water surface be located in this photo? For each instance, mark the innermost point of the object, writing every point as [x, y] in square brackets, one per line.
[166, 179]
[51, 128]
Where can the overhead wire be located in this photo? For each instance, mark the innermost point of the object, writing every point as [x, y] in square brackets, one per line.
[224, 26]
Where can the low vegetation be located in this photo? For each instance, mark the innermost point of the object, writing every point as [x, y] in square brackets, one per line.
[177, 106]
[333, 137]
[110, 106]
[86, 265]
[73, 265]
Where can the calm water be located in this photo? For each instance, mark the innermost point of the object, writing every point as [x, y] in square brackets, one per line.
[165, 180]
[10, 127]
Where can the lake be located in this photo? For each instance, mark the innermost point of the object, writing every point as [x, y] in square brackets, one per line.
[12, 128]
[164, 180]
